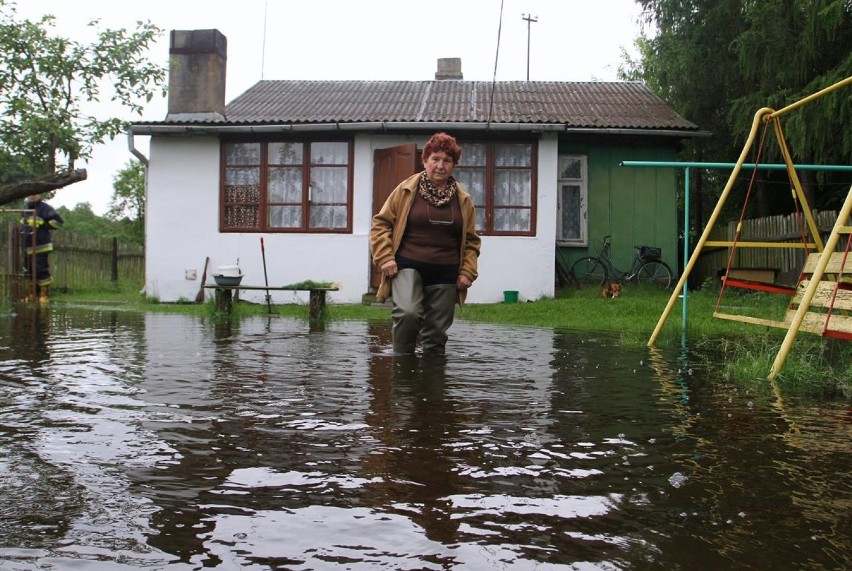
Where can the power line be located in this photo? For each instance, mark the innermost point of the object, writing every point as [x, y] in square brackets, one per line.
[496, 57]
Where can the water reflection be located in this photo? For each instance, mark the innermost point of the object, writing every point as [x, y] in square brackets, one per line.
[163, 441]
[27, 337]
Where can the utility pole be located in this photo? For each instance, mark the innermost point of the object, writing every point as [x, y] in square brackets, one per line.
[529, 19]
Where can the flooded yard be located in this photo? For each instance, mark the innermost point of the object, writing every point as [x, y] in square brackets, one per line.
[152, 441]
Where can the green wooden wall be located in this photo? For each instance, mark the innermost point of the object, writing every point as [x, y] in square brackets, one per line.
[636, 205]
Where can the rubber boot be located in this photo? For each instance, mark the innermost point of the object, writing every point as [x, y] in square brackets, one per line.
[31, 296]
[42, 295]
[407, 312]
[439, 305]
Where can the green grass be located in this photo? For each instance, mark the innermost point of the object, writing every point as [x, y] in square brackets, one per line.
[814, 366]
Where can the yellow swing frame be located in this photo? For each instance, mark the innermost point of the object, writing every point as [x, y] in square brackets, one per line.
[824, 262]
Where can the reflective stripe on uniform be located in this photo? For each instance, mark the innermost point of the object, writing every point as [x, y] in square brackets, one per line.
[36, 222]
[41, 248]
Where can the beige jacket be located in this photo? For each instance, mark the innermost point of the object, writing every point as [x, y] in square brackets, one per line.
[389, 226]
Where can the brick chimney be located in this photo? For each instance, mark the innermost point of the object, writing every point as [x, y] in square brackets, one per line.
[449, 68]
[197, 63]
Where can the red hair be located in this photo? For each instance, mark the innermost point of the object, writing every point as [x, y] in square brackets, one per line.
[442, 143]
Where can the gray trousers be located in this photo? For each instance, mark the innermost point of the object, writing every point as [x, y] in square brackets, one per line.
[427, 311]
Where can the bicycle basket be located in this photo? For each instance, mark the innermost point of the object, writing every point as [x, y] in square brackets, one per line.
[650, 253]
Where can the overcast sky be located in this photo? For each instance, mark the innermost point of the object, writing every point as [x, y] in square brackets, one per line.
[571, 40]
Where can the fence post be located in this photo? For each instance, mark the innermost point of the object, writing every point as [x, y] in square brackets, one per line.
[114, 260]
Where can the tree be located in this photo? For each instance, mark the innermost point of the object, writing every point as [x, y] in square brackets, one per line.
[41, 185]
[45, 81]
[82, 220]
[719, 61]
[128, 199]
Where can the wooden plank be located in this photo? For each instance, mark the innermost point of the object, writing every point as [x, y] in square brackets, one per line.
[743, 244]
[316, 299]
[834, 263]
[761, 275]
[822, 297]
[811, 323]
[815, 322]
[271, 288]
[317, 303]
[224, 299]
[752, 320]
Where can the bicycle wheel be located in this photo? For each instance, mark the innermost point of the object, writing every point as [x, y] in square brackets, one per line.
[589, 272]
[655, 272]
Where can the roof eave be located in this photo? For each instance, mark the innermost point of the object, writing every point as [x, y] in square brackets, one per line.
[169, 128]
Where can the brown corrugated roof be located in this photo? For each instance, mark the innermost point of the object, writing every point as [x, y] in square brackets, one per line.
[576, 105]
[583, 104]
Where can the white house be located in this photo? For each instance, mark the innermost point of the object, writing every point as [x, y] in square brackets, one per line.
[305, 164]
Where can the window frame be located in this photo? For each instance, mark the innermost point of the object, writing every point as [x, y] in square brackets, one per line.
[490, 171]
[263, 184]
[583, 183]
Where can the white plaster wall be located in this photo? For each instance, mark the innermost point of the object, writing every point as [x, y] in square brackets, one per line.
[524, 264]
[182, 218]
[181, 214]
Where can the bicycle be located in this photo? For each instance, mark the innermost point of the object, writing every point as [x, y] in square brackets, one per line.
[647, 268]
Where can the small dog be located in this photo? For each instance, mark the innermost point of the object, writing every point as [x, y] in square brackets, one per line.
[611, 290]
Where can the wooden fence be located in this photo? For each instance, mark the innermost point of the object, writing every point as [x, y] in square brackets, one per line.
[82, 262]
[77, 263]
[788, 262]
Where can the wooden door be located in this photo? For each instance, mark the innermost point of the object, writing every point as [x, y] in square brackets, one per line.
[390, 167]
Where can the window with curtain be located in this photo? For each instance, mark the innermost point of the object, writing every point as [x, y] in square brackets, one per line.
[572, 201]
[501, 179]
[292, 186]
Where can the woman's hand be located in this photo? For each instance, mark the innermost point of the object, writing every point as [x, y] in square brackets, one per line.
[389, 269]
[463, 282]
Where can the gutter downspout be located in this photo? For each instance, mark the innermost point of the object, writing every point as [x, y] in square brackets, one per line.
[144, 160]
[131, 145]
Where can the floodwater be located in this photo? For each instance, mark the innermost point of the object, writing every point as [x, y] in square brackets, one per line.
[132, 441]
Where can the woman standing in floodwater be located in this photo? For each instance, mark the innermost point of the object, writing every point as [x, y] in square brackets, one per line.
[424, 242]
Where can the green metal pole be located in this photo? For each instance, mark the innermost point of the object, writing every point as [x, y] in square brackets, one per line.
[773, 166]
[758, 117]
[685, 242]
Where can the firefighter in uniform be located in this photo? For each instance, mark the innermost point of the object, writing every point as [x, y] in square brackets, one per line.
[42, 220]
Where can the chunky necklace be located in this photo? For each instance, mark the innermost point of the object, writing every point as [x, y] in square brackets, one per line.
[434, 195]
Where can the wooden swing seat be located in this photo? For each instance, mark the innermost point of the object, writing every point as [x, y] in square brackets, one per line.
[839, 323]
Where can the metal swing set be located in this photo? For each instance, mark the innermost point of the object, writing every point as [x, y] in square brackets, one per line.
[821, 303]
